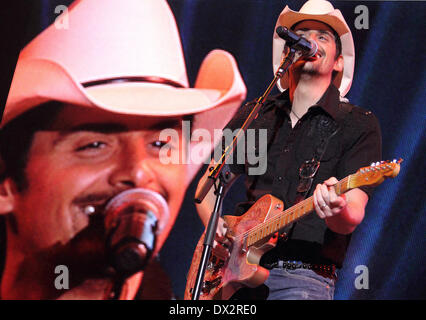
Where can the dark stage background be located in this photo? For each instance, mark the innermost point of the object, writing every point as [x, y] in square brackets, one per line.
[389, 80]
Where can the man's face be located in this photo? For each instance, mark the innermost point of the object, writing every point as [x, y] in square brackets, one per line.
[325, 61]
[87, 157]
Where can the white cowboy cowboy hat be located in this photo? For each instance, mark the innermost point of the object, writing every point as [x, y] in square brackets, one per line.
[125, 58]
[323, 11]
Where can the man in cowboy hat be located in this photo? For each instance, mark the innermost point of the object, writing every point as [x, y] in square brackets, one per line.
[315, 138]
[82, 125]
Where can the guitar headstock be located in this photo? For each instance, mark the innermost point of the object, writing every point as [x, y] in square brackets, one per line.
[376, 173]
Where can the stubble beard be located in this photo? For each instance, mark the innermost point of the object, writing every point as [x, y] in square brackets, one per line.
[309, 69]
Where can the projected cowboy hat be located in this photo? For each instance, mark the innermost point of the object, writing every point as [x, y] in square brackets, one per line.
[322, 11]
[124, 58]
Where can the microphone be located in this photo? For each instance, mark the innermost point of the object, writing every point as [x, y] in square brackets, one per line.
[133, 220]
[306, 47]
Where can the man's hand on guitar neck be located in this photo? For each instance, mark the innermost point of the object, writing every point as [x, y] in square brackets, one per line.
[342, 213]
[327, 203]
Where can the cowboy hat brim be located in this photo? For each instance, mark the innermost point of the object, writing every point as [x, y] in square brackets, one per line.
[37, 81]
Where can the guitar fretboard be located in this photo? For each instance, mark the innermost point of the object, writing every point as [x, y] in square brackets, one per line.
[299, 210]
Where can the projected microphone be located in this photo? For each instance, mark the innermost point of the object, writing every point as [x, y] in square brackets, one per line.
[306, 47]
[133, 220]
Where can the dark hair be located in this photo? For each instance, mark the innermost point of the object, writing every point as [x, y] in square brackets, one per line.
[338, 43]
[16, 138]
[15, 141]
[338, 50]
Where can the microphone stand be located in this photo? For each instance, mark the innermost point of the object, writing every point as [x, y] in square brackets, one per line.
[216, 173]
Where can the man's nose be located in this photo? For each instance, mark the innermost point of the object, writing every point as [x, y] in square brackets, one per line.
[133, 168]
[308, 35]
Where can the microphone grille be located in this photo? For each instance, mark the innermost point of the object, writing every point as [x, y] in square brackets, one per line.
[314, 48]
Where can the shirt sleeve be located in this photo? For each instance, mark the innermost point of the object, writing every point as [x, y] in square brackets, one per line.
[363, 145]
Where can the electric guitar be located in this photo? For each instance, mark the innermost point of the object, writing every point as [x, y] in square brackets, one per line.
[256, 232]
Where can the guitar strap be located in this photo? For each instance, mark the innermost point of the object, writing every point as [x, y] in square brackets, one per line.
[309, 168]
[325, 129]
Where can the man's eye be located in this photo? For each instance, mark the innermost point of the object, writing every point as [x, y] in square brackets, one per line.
[323, 37]
[92, 145]
[159, 144]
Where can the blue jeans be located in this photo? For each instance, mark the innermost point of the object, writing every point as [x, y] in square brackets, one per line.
[299, 284]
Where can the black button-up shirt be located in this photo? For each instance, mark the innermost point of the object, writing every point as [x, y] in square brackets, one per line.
[356, 144]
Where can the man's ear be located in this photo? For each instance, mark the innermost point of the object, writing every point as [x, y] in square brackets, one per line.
[7, 196]
[338, 64]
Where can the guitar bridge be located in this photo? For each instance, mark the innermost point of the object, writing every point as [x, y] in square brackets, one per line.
[215, 264]
[209, 285]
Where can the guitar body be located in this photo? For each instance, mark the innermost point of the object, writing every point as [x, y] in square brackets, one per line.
[254, 233]
[223, 278]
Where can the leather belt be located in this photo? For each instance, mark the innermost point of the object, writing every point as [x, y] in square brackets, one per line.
[324, 270]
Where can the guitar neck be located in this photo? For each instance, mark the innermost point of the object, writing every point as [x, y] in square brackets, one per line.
[306, 206]
[299, 210]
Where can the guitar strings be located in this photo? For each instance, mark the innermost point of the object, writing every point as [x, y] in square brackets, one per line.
[308, 201]
[274, 219]
[294, 208]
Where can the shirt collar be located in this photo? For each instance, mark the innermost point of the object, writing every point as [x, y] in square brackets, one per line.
[329, 102]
